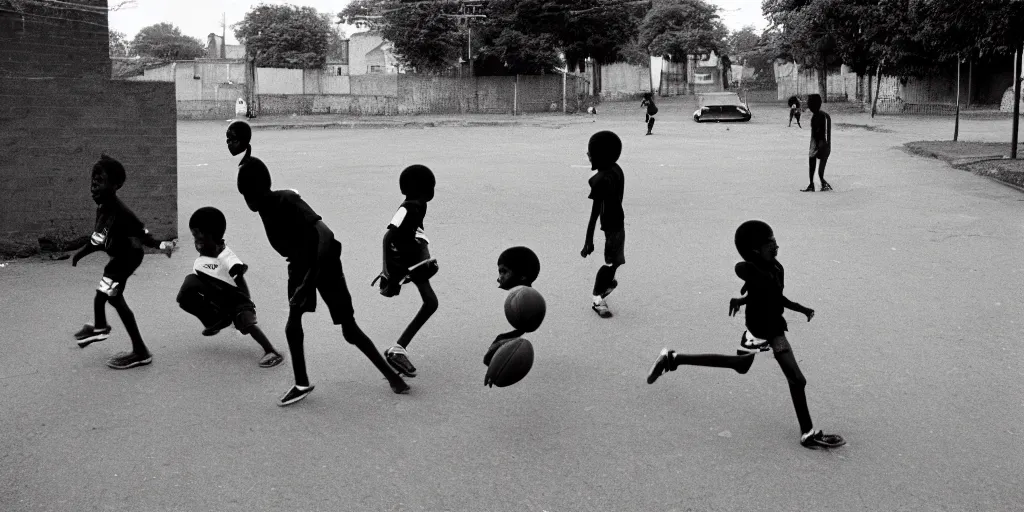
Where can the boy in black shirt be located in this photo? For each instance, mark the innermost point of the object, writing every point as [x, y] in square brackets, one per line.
[652, 109]
[121, 235]
[794, 111]
[606, 189]
[517, 266]
[296, 232]
[406, 256]
[821, 142]
[763, 281]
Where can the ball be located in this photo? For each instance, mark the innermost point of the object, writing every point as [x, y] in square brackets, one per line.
[525, 308]
[511, 363]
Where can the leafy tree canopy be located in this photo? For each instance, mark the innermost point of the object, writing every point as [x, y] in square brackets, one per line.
[165, 41]
[119, 46]
[683, 27]
[285, 36]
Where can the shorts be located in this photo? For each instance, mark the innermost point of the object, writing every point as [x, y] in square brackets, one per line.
[117, 271]
[615, 247]
[212, 303]
[330, 282]
[778, 343]
[412, 257]
[820, 150]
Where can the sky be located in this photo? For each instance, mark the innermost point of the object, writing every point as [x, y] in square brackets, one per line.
[198, 18]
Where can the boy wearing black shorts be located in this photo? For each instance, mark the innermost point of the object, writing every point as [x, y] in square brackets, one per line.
[821, 143]
[517, 266]
[407, 257]
[763, 281]
[216, 292]
[606, 190]
[121, 235]
[296, 232]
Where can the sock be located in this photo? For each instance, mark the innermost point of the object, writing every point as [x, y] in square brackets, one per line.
[810, 433]
[597, 299]
[302, 388]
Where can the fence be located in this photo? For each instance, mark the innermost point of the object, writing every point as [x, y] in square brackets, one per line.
[405, 94]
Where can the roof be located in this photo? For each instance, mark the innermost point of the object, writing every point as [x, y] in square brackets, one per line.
[718, 98]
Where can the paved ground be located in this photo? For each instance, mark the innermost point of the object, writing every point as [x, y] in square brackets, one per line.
[914, 355]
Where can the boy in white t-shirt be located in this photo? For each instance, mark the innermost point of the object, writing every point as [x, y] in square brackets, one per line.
[215, 291]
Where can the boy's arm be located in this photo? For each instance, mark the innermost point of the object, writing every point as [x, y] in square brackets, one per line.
[588, 244]
[238, 272]
[828, 129]
[793, 306]
[89, 248]
[736, 304]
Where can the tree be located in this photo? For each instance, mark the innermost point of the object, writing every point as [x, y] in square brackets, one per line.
[426, 36]
[285, 36]
[119, 44]
[681, 28]
[165, 41]
[755, 51]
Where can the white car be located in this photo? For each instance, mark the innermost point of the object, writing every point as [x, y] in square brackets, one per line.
[720, 106]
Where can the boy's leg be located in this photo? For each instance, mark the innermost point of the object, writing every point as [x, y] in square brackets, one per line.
[797, 382]
[194, 299]
[821, 174]
[810, 174]
[99, 330]
[669, 360]
[650, 125]
[396, 355]
[296, 337]
[99, 308]
[334, 290]
[140, 354]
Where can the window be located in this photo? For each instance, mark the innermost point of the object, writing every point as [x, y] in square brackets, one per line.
[376, 69]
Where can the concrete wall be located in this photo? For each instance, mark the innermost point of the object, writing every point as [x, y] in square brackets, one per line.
[793, 80]
[279, 81]
[58, 111]
[374, 85]
[622, 80]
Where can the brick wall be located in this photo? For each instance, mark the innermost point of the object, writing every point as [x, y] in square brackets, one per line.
[58, 111]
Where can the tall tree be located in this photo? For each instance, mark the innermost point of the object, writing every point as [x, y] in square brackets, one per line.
[118, 44]
[165, 41]
[285, 36]
[683, 27]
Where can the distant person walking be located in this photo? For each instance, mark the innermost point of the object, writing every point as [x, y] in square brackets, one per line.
[821, 143]
[794, 111]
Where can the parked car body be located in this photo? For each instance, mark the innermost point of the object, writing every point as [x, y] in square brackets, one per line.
[720, 106]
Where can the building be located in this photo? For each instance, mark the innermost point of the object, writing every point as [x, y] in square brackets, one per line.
[216, 49]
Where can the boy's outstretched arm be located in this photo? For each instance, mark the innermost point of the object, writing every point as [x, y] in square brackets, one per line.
[89, 248]
[588, 245]
[788, 304]
[305, 290]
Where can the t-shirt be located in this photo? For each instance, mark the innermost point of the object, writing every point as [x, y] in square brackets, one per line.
[608, 186]
[289, 223]
[117, 229]
[651, 108]
[818, 126]
[765, 302]
[408, 220]
[223, 268]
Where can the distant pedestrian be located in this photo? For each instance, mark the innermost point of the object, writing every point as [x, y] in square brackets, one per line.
[794, 111]
[821, 143]
[652, 109]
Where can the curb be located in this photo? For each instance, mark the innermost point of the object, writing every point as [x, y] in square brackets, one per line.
[354, 125]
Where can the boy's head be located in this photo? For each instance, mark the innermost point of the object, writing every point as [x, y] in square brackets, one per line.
[253, 182]
[647, 96]
[239, 135]
[107, 177]
[208, 225]
[756, 242]
[793, 101]
[814, 102]
[603, 149]
[517, 266]
[417, 182]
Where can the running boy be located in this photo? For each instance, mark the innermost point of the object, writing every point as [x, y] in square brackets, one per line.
[763, 281]
[606, 189]
[794, 111]
[121, 235]
[821, 142]
[517, 266]
[651, 111]
[296, 232]
[407, 257]
[216, 291]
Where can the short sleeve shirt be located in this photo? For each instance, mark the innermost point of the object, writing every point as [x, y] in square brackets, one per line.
[764, 287]
[117, 229]
[408, 220]
[289, 223]
[608, 186]
[223, 268]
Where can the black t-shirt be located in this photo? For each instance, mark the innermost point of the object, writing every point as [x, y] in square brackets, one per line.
[818, 126]
[118, 230]
[765, 302]
[408, 220]
[608, 186]
[652, 109]
[290, 225]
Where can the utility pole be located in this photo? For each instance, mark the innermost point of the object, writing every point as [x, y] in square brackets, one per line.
[1016, 99]
[224, 35]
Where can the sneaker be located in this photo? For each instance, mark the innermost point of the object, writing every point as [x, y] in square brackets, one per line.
[826, 187]
[611, 288]
[398, 358]
[810, 188]
[126, 360]
[818, 439]
[749, 342]
[398, 385]
[89, 335]
[661, 365]
[294, 395]
[217, 327]
[602, 309]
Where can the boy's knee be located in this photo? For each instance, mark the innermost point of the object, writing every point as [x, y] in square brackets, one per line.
[430, 304]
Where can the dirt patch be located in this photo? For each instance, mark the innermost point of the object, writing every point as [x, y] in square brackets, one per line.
[1010, 172]
[990, 159]
[867, 127]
